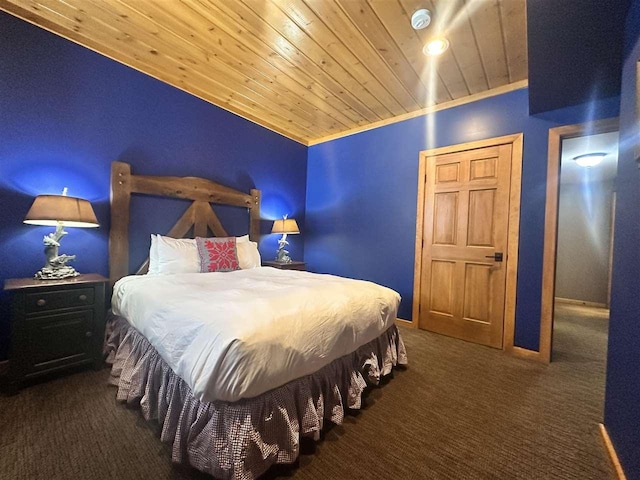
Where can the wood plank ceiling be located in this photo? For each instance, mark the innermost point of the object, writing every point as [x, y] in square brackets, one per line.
[307, 69]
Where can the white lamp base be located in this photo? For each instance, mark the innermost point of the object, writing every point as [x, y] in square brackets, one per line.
[53, 273]
[282, 255]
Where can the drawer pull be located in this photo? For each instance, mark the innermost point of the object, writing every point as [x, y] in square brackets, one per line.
[41, 302]
[88, 334]
[82, 298]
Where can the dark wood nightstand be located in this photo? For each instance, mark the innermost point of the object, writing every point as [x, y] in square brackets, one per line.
[286, 266]
[55, 324]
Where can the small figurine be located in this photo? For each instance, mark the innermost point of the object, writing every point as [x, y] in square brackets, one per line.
[56, 265]
[282, 255]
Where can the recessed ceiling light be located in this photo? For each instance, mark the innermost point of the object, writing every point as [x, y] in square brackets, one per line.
[421, 19]
[590, 159]
[437, 46]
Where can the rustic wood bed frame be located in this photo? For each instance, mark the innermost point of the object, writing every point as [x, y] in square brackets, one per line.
[199, 216]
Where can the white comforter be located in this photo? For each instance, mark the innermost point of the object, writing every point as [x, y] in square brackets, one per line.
[239, 334]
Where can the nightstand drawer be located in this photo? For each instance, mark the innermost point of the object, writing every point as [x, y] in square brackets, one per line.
[47, 301]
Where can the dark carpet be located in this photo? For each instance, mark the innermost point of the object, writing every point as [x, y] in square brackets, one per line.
[459, 411]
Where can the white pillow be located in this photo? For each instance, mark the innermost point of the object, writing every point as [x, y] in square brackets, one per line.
[174, 256]
[248, 254]
[153, 256]
[169, 255]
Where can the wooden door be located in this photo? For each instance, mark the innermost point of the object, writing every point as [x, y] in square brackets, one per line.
[464, 251]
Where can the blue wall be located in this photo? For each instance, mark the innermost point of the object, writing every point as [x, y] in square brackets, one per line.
[362, 191]
[573, 33]
[622, 400]
[66, 113]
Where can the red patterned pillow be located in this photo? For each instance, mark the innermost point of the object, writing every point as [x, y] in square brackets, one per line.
[217, 254]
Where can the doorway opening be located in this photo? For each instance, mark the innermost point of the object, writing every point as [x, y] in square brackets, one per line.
[578, 239]
[586, 210]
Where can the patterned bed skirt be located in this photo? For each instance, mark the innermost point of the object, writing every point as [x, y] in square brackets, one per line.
[241, 440]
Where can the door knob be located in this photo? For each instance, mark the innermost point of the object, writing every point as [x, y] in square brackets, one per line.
[497, 257]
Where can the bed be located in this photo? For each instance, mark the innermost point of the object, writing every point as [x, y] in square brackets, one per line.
[237, 366]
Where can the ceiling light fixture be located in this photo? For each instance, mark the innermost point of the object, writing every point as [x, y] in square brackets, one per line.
[437, 46]
[590, 159]
[421, 19]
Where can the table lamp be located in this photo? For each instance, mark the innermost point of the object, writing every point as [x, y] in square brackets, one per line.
[285, 226]
[59, 211]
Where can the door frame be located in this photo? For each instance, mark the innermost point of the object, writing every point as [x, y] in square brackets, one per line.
[511, 263]
[556, 135]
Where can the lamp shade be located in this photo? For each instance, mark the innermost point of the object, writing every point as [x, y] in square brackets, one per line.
[48, 210]
[287, 225]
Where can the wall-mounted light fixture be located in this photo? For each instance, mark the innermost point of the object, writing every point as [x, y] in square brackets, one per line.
[590, 159]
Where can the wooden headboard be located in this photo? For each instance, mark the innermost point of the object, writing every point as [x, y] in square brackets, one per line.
[199, 215]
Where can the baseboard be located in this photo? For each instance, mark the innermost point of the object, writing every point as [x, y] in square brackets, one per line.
[583, 303]
[613, 456]
[402, 321]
